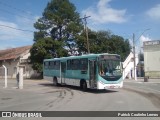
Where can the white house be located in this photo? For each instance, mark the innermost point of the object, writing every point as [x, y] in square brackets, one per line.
[14, 57]
[152, 58]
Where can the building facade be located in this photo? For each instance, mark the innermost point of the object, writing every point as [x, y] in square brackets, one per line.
[13, 58]
[152, 58]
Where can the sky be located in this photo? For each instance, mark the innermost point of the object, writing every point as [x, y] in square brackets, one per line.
[121, 17]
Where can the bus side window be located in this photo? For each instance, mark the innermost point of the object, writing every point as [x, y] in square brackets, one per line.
[83, 64]
[46, 65]
[75, 64]
[57, 65]
[68, 64]
[49, 63]
[52, 64]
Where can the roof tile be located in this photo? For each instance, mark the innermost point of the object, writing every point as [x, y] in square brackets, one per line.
[13, 53]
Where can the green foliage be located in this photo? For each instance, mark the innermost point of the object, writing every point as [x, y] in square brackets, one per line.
[60, 31]
[104, 42]
[43, 49]
[120, 46]
[57, 29]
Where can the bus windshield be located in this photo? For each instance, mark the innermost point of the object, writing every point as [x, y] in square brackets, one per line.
[110, 67]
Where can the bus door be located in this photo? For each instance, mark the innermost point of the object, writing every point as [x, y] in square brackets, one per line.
[63, 72]
[92, 73]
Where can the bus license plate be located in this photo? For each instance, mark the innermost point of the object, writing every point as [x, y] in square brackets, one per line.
[112, 87]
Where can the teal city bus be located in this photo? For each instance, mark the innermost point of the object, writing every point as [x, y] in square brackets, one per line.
[94, 71]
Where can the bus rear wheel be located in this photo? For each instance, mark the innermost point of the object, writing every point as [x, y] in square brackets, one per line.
[84, 86]
[55, 82]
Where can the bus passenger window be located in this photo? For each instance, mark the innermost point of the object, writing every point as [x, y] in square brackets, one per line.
[68, 64]
[46, 65]
[75, 64]
[83, 64]
[52, 64]
[57, 66]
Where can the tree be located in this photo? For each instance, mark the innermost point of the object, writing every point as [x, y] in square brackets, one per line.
[101, 43]
[120, 46]
[57, 31]
[104, 42]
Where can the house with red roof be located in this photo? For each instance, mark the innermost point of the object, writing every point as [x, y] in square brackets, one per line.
[13, 58]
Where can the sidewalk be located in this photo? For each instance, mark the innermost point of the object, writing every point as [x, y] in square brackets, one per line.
[12, 83]
[141, 79]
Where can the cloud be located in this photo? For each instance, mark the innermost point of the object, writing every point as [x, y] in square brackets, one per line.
[27, 22]
[154, 12]
[10, 37]
[102, 13]
[11, 30]
[139, 42]
[143, 39]
[9, 34]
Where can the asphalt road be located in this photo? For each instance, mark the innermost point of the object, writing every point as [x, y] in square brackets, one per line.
[41, 95]
[152, 85]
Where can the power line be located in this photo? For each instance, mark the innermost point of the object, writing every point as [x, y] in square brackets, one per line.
[16, 28]
[11, 13]
[19, 10]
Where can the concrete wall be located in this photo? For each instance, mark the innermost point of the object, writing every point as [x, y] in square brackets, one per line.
[12, 67]
[152, 60]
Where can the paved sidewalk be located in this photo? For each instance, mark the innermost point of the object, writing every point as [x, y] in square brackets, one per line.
[12, 83]
[141, 79]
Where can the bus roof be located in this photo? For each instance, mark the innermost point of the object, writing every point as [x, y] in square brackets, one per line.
[78, 57]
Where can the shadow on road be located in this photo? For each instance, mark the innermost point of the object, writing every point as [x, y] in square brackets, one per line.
[46, 84]
[153, 97]
[101, 91]
[69, 87]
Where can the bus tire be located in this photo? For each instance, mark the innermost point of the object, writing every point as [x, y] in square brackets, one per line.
[55, 82]
[84, 85]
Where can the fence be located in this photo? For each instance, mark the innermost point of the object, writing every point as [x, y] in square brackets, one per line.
[3, 72]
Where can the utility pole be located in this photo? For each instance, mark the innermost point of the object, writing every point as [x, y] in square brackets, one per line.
[134, 71]
[86, 30]
[134, 55]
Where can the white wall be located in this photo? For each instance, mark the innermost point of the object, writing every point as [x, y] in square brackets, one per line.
[12, 67]
[152, 61]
